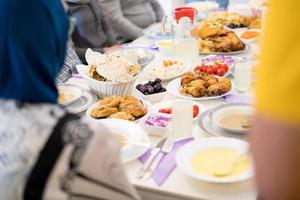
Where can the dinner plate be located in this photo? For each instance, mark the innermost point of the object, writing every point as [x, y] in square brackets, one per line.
[211, 129]
[155, 64]
[146, 104]
[154, 32]
[247, 49]
[185, 154]
[168, 104]
[175, 86]
[135, 54]
[132, 132]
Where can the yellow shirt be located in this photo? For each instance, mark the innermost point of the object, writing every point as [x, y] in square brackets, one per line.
[278, 85]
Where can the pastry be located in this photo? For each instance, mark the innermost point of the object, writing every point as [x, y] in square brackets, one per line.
[94, 74]
[111, 101]
[122, 115]
[102, 112]
[117, 107]
[199, 84]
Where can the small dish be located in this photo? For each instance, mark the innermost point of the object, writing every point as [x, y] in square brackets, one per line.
[230, 117]
[253, 35]
[151, 97]
[186, 154]
[156, 124]
[68, 94]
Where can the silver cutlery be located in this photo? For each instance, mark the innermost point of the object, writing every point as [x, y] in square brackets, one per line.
[154, 153]
[166, 148]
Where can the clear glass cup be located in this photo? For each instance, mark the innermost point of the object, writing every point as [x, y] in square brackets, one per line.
[243, 76]
[182, 119]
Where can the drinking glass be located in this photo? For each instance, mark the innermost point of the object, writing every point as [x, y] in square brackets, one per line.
[243, 76]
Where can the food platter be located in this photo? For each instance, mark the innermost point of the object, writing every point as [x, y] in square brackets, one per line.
[158, 70]
[174, 89]
[135, 54]
[246, 50]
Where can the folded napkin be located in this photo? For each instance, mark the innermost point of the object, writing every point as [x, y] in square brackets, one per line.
[167, 163]
[238, 99]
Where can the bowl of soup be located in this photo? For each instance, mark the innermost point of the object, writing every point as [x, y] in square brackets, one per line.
[236, 118]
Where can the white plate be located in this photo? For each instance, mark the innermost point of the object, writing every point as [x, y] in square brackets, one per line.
[247, 48]
[175, 86]
[132, 132]
[168, 104]
[164, 79]
[185, 154]
[64, 88]
[94, 105]
[211, 129]
[230, 108]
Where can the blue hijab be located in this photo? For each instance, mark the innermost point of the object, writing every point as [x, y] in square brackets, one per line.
[33, 35]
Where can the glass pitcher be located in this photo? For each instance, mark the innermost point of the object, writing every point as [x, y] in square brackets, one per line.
[184, 34]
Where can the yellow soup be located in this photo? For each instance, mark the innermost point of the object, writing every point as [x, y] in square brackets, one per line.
[206, 162]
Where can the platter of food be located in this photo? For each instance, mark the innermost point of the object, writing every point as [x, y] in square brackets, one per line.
[128, 134]
[134, 54]
[234, 20]
[199, 86]
[166, 70]
[215, 39]
[211, 159]
[118, 107]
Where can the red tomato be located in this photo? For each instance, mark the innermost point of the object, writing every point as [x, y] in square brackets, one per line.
[198, 68]
[225, 66]
[195, 111]
[204, 69]
[165, 110]
[210, 70]
[221, 72]
[216, 67]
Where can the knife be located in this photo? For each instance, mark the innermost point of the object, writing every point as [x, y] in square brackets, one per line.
[154, 152]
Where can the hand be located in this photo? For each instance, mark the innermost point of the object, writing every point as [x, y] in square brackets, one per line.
[112, 48]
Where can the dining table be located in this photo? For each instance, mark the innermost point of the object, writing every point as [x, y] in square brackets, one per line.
[178, 185]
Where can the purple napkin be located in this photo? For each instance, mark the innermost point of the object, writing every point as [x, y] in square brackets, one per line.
[238, 99]
[167, 163]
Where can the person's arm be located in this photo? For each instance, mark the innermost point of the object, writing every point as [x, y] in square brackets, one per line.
[275, 139]
[159, 12]
[122, 26]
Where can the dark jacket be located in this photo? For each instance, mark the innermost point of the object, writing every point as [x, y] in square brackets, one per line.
[92, 30]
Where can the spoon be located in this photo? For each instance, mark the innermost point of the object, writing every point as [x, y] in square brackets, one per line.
[247, 123]
[221, 170]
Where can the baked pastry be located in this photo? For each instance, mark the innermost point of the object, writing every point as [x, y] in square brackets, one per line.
[218, 39]
[94, 74]
[122, 115]
[117, 107]
[103, 112]
[111, 101]
[199, 85]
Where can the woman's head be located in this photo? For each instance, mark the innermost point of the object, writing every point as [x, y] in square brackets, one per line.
[33, 37]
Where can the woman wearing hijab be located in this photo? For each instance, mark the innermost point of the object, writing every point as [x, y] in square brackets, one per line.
[91, 30]
[46, 153]
[128, 18]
